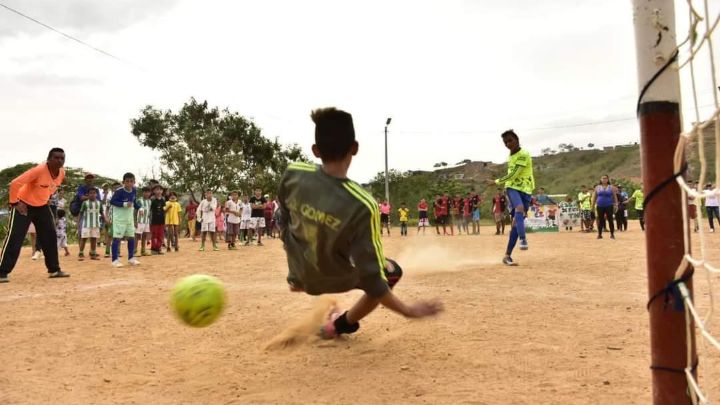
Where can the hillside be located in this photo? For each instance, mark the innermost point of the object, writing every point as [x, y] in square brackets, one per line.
[560, 173]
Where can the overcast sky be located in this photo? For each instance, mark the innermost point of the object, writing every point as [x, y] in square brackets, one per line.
[452, 74]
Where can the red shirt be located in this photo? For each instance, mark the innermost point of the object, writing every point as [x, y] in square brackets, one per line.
[191, 209]
[498, 204]
[444, 205]
[467, 207]
[423, 206]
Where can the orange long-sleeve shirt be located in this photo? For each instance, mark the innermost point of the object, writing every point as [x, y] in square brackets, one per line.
[35, 186]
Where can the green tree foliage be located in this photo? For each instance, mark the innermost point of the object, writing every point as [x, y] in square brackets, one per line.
[203, 147]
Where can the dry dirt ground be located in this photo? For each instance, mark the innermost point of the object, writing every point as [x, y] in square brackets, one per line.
[567, 326]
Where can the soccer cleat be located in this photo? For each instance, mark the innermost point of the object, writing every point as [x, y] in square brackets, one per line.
[81, 256]
[202, 248]
[508, 261]
[59, 274]
[117, 263]
[134, 262]
[36, 255]
[215, 248]
[4, 278]
[523, 244]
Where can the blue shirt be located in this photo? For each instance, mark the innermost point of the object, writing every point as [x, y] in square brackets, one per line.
[122, 196]
[604, 196]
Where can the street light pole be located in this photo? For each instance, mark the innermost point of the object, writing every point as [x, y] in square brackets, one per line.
[387, 181]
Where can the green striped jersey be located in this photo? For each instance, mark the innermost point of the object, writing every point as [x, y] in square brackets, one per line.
[143, 213]
[90, 211]
[331, 231]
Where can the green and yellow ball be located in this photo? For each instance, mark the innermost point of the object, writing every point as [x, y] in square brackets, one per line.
[198, 300]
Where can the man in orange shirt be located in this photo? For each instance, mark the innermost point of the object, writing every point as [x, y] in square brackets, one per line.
[29, 195]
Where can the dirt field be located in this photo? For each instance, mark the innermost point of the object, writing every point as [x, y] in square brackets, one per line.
[567, 326]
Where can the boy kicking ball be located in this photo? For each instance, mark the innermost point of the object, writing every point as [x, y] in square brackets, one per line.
[331, 230]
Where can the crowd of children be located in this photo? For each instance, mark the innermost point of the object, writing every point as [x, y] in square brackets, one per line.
[151, 217]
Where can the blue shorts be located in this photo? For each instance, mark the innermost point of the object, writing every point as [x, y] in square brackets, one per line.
[476, 215]
[516, 198]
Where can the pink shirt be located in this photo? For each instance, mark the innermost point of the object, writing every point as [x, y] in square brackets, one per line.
[385, 209]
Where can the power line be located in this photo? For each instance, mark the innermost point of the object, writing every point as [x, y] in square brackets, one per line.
[68, 36]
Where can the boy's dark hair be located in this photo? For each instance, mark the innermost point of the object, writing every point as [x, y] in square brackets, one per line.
[146, 188]
[61, 213]
[511, 133]
[334, 133]
[53, 150]
[128, 176]
[157, 186]
[92, 190]
[172, 194]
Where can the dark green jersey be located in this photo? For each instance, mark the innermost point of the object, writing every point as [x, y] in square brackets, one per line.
[331, 231]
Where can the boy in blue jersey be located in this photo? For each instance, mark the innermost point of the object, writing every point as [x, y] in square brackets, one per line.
[124, 203]
[331, 230]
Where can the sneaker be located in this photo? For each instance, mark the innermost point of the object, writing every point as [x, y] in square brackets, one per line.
[177, 249]
[523, 244]
[134, 262]
[328, 331]
[59, 274]
[261, 244]
[712, 230]
[508, 261]
[107, 255]
[215, 248]
[144, 253]
[81, 257]
[117, 263]
[36, 255]
[202, 248]
[612, 236]
[4, 278]
[599, 236]
[95, 257]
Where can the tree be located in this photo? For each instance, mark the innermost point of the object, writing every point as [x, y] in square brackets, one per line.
[205, 148]
[463, 162]
[545, 151]
[591, 145]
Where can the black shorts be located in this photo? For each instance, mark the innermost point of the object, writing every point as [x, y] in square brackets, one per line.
[442, 220]
[384, 218]
[422, 214]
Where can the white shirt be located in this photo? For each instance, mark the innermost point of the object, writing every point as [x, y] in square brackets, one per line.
[246, 211]
[231, 205]
[206, 211]
[711, 201]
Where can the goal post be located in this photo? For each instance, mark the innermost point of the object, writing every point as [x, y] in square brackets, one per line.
[659, 118]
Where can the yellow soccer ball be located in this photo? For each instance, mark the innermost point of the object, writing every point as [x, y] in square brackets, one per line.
[198, 300]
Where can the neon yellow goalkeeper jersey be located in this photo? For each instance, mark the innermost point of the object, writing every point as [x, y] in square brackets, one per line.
[520, 173]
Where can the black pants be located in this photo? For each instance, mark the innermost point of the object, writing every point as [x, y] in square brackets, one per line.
[641, 216]
[601, 213]
[621, 220]
[712, 211]
[18, 226]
